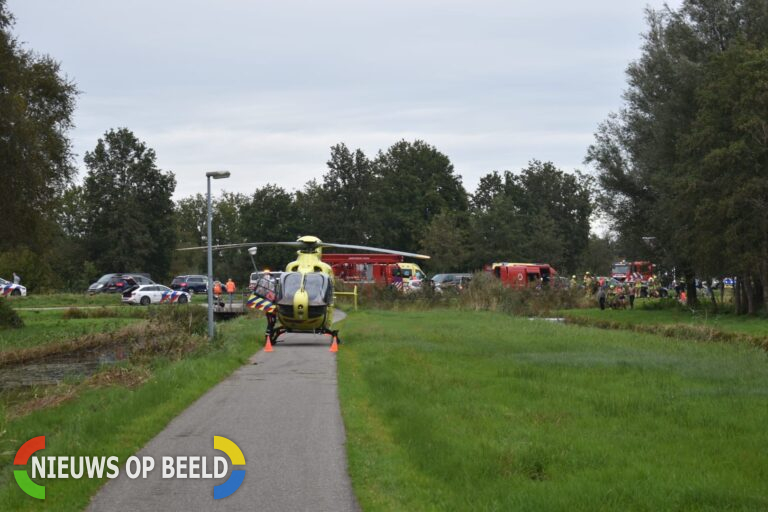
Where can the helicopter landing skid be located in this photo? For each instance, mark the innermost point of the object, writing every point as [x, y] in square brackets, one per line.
[274, 332]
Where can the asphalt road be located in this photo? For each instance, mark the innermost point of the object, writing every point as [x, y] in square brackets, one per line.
[282, 410]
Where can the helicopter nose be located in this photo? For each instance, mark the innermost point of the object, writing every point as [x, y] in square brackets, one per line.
[300, 304]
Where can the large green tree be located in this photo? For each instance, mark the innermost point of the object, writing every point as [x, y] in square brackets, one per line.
[338, 208]
[36, 105]
[270, 215]
[130, 225]
[414, 183]
[643, 152]
[447, 241]
[541, 214]
[725, 157]
[191, 224]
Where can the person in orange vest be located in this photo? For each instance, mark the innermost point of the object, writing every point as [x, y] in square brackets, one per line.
[231, 290]
[217, 289]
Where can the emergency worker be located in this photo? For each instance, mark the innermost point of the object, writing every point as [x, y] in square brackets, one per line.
[231, 290]
[589, 283]
[601, 297]
[631, 290]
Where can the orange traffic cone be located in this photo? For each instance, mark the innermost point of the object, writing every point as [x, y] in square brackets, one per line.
[334, 345]
[268, 345]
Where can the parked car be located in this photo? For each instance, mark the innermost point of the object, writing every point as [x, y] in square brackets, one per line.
[14, 290]
[155, 294]
[191, 284]
[119, 283]
[443, 282]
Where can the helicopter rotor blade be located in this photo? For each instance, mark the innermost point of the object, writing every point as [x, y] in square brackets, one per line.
[245, 244]
[375, 249]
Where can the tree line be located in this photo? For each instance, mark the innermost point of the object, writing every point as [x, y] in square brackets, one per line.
[683, 166]
[680, 176]
[409, 198]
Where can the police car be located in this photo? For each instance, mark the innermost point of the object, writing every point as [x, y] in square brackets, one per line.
[154, 294]
[8, 288]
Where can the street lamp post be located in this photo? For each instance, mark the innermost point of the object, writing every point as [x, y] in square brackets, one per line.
[217, 175]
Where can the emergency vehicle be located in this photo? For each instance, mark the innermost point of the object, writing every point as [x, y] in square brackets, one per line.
[382, 269]
[633, 271]
[155, 294]
[8, 288]
[522, 275]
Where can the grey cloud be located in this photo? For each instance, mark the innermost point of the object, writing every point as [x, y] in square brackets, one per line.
[264, 88]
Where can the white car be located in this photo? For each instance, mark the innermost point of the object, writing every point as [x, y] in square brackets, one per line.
[147, 294]
[15, 290]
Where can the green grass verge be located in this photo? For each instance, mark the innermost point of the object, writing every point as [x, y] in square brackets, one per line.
[60, 300]
[46, 327]
[726, 322]
[448, 410]
[115, 420]
[55, 300]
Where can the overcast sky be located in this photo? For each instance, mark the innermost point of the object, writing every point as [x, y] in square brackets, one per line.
[263, 89]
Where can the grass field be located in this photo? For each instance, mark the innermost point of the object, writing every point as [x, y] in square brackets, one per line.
[65, 300]
[116, 419]
[58, 300]
[756, 326]
[45, 327]
[449, 410]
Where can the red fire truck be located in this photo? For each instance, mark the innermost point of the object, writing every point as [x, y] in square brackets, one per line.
[523, 275]
[384, 269]
[633, 271]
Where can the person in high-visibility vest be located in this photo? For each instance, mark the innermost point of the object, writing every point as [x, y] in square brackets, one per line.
[231, 290]
[216, 290]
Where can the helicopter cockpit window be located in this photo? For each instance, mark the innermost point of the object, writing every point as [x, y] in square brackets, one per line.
[315, 285]
[291, 284]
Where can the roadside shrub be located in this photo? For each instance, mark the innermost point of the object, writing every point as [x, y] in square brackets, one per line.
[9, 319]
[189, 319]
[74, 314]
[660, 304]
[103, 312]
[484, 293]
[487, 293]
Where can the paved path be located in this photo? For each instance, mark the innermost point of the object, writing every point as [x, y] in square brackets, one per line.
[282, 410]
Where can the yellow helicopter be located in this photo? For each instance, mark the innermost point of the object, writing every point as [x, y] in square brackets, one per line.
[301, 299]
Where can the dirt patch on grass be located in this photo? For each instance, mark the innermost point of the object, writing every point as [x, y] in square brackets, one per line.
[26, 402]
[51, 396]
[131, 377]
[172, 332]
[128, 334]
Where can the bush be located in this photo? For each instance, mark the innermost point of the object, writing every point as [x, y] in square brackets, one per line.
[186, 318]
[487, 293]
[74, 314]
[484, 293]
[33, 268]
[9, 319]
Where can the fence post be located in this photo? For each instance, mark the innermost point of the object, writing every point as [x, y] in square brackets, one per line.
[355, 297]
